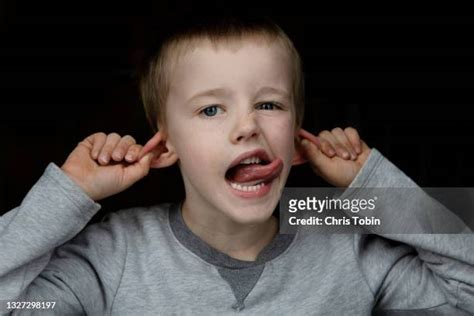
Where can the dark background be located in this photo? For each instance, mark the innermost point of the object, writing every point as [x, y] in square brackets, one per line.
[67, 71]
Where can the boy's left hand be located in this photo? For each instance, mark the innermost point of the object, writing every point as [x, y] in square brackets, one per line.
[336, 155]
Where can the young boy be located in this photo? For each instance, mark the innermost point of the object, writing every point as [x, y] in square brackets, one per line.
[228, 100]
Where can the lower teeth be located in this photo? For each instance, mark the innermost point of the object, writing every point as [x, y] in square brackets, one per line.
[247, 188]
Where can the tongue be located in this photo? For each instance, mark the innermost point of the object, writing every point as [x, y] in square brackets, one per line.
[253, 172]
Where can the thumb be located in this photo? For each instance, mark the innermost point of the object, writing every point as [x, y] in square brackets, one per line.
[146, 160]
[140, 169]
[317, 159]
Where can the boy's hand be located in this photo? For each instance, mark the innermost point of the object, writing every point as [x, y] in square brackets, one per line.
[336, 156]
[103, 165]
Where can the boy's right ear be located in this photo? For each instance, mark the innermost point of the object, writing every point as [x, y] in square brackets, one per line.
[164, 154]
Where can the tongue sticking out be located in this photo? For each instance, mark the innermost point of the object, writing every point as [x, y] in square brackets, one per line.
[252, 172]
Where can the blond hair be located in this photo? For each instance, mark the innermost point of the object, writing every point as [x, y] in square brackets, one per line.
[155, 81]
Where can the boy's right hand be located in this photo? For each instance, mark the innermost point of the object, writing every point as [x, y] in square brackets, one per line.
[103, 165]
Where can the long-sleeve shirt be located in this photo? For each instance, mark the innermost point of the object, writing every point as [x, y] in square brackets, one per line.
[146, 261]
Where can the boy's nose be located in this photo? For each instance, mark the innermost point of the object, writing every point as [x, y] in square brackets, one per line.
[245, 128]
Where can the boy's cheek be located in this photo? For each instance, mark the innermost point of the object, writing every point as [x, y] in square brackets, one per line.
[283, 124]
[282, 145]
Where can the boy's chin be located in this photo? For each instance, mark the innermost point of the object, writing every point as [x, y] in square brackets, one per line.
[247, 215]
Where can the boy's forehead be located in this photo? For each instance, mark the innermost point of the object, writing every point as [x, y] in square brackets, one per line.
[245, 64]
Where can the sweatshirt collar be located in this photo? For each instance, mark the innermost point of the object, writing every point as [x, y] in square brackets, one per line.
[192, 242]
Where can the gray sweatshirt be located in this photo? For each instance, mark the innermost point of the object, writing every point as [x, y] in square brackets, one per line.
[145, 261]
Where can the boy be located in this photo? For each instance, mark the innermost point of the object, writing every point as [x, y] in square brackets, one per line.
[228, 100]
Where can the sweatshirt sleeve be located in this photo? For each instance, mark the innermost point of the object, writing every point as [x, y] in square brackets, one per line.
[43, 259]
[414, 273]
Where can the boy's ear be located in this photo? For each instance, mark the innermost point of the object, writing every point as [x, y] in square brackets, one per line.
[299, 157]
[164, 153]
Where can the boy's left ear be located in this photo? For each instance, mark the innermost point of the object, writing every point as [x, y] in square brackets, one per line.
[299, 157]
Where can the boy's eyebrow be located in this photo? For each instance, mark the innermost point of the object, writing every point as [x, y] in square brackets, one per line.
[270, 90]
[224, 92]
[212, 92]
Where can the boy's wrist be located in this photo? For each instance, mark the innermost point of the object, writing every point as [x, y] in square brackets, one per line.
[77, 182]
[69, 189]
[373, 159]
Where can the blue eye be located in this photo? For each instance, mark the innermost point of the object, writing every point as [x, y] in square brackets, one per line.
[267, 106]
[210, 110]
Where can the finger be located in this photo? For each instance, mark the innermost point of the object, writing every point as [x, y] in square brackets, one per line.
[307, 135]
[97, 140]
[153, 143]
[344, 141]
[327, 148]
[317, 159]
[340, 150]
[323, 144]
[122, 147]
[138, 170]
[354, 138]
[133, 152]
[106, 151]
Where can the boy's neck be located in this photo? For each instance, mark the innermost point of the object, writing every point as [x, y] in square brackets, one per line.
[241, 242]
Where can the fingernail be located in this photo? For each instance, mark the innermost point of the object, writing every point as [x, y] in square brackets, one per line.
[129, 157]
[149, 157]
[104, 158]
[304, 142]
[345, 154]
[331, 151]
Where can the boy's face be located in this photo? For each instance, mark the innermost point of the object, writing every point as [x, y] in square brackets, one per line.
[252, 114]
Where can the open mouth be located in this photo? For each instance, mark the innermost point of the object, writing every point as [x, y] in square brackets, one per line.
[252, 171]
